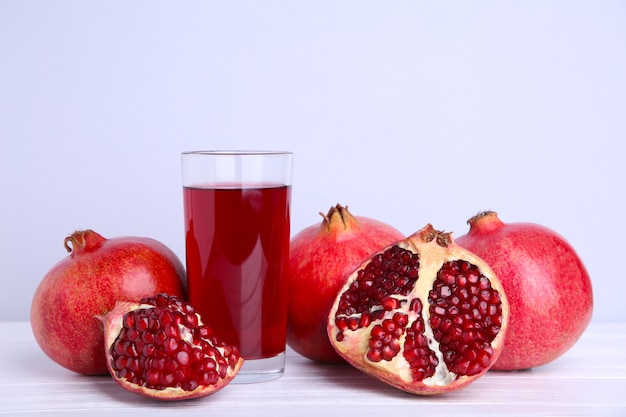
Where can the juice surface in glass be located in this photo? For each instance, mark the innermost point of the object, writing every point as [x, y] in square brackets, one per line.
[237, 238]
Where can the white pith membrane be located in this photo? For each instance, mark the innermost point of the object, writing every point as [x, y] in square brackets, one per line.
[114, 323]
[355, 343]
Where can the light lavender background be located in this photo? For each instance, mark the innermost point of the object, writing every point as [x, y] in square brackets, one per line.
[406, 111]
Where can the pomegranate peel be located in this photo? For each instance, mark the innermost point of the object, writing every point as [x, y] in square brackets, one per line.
[423, 315]
[321, 257]
[159, 348]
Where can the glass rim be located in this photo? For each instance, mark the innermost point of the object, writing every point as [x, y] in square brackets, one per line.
[236, 152]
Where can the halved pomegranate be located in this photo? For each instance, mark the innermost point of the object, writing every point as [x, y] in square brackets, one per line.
[423, 315]
[160, 349]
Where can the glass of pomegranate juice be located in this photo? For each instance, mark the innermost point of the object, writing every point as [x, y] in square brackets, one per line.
[237, 206]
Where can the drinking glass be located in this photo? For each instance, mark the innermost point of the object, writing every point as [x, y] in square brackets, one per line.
[237, 231]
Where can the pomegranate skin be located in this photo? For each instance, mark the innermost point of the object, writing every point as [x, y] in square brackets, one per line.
[321, 258]
[87, 283]
[546, 283]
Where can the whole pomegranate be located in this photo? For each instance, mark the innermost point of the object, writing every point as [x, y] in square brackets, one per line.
[321, 258]
[546, 283]
[87, 283]
[423, 315]
[159, 348]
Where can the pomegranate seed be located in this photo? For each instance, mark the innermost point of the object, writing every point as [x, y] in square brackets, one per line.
[148, 350]
[375, 344]
[341, 323]
[377, 332]
[189, 385]
[390, 303]
[171, 345]
[374, 355]
[153, 377]
[400, 320]
[353, 323]
[388, 353]
[129, 321]
[389, 326]
[416, 306]
[142, 324]
[366, 319]
[148, 337]
[121, 362]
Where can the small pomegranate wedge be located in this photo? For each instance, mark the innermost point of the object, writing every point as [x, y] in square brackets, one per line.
[423, 315]
[160, 349]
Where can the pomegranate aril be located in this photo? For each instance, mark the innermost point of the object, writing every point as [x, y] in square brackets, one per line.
[365, 320]
[170, 345]
[389, 352]
[182, 358]
[133, 365]
[390, 303]
[375, 344]
[141, 324]
[153, 377]
[191, 320]
[129, 322]
[148, 337]
[148, 350]
[375, 355]
[167, 379]
[160, 337]
[121, 362]
[189, 385]
[171, 330]
[341, 323]
[416, 305]
[205, 332]
[119, 349]
[353, 323]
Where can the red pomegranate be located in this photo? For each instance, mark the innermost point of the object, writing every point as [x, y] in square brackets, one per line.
[159, 348]
[423, 315]
[547, 285]
[322, 256]
[87, 283]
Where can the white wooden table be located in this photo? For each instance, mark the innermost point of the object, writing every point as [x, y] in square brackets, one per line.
[589, 380]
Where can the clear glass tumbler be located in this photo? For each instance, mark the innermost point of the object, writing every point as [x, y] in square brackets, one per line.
[237, 231]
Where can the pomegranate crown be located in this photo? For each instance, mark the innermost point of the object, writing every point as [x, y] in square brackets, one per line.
[82, 240]
[429, 233]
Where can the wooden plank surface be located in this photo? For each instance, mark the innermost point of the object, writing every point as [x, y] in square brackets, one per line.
[589, 380]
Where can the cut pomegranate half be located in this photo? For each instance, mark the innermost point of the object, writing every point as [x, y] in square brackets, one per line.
[423, 315]
[160, 349]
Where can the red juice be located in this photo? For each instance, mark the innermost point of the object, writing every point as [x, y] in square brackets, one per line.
[237, 240]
